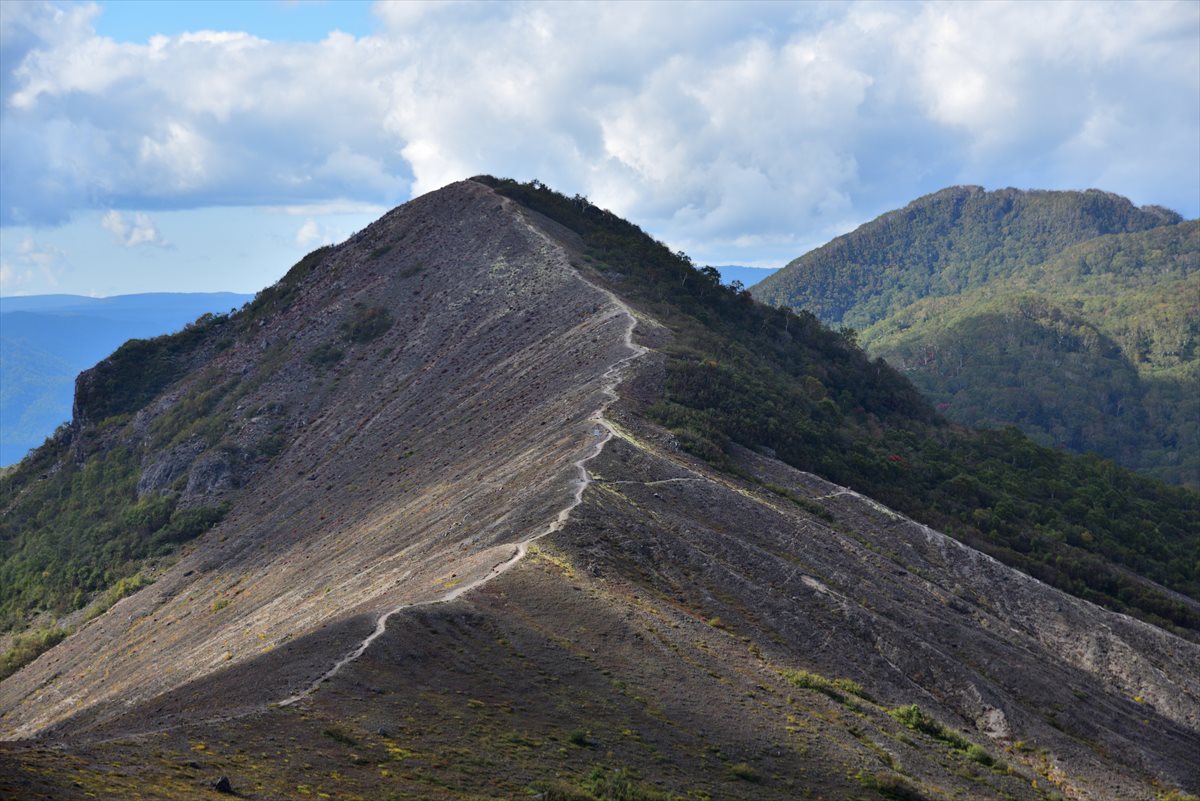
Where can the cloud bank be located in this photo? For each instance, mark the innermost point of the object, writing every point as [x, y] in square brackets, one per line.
[134, 231]
[736, 131]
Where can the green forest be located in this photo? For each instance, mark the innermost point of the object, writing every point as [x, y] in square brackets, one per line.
[742, 372]
[1074, 316]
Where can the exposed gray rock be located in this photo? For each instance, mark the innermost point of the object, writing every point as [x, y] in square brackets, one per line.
[210, 475]
[159, 475]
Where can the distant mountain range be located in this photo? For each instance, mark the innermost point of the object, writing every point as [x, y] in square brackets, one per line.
[749, 276]
[46, 340]
[1072, 315]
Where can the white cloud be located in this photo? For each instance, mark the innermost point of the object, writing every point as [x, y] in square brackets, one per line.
[312, 233]
[329, 208]
[738, 131]
[140, 230]
[14, 278]
[309, 233]
[29, 264]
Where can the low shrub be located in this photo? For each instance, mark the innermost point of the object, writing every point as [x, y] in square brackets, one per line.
[837, 689]
[890, 786]
[745, 772]
[366, 324]
[914, 718]
[326, 354]
[28, 647]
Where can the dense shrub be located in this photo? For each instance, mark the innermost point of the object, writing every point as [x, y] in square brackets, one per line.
[27, 647]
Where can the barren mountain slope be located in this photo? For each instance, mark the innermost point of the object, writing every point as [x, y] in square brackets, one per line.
[418, 462]
[720, 636]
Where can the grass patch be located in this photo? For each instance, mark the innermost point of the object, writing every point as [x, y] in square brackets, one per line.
[890, 786]
[745, 772]
[812, 507]
[122, 589]
[837, 689]
[580, 738]
[977, 753]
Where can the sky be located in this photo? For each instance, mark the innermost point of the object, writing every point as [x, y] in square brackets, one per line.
[205, 146]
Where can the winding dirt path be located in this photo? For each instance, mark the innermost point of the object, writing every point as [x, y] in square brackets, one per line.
[604, 430]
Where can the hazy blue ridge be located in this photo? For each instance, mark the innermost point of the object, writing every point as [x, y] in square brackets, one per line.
[46, 340]
[749, 276]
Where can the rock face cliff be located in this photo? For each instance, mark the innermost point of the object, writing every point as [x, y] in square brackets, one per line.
[476, 569]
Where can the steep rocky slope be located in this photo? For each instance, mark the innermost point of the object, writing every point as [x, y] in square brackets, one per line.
[417, 461]
[557, 597]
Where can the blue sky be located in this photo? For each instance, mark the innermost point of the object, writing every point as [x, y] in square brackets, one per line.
[298, 21]
[201, 146]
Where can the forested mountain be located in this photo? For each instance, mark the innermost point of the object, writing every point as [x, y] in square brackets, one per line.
[1072, 315]
[503, 498]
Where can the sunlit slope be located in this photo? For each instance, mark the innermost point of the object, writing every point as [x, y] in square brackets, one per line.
[428, 387]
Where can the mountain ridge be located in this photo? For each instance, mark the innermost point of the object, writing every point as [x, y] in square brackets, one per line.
[974, 228]
[726, 625]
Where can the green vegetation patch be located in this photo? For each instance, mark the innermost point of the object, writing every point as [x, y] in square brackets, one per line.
[837, 689]
[367, 323]
[122, 589]
[70, 530]
[142, 368]
[27, 647]
[914, 718]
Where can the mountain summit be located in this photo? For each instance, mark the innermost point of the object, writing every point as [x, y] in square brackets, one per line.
[500, 496]
[946, 243]
[1074, 316]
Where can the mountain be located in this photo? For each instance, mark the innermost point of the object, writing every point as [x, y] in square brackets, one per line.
[46, 340]
[1074, 316]
[501, 497]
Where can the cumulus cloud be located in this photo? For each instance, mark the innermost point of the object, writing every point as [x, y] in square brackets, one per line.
[29, 263]
[309, 233]
[312, 233]
[132, 231]
[724, 128]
